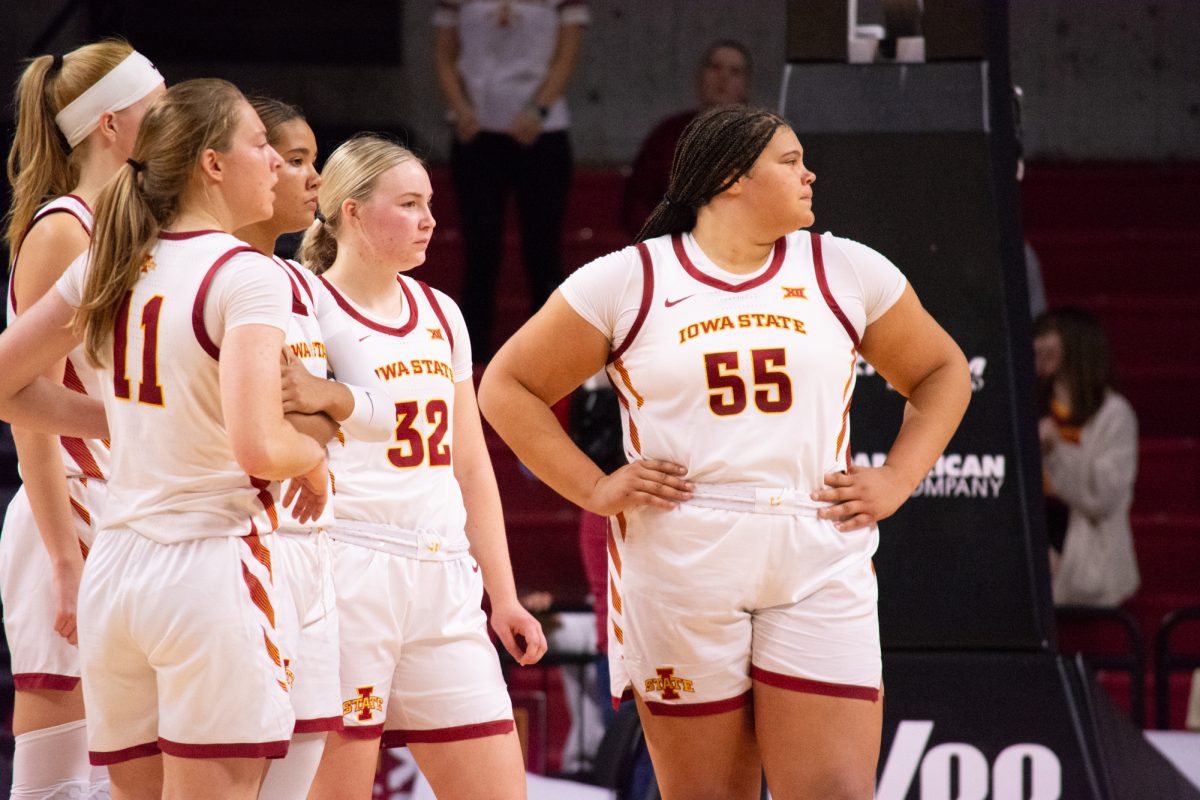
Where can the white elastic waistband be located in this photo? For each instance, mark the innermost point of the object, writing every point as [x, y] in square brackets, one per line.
[754, 499]
[419, 543]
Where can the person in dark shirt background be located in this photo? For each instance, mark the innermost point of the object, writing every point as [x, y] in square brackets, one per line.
[722, 78]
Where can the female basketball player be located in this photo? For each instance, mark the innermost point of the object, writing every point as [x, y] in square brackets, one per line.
[418, 518]
[176, 624]
[742, 597]
[77, 116]
[319, 339]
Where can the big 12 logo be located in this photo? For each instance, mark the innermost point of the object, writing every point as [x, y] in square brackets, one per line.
[1006, 778]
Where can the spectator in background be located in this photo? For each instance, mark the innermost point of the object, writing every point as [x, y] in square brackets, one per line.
[1089, 460]
[503, 67]
[722, 78]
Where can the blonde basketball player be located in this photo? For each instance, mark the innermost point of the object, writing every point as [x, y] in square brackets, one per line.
[742, 597]
[419, 532]
[180, 669]
[319, 340]
[77, 116]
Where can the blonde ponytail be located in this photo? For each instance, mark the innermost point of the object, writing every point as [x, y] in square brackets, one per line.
[350, 173]
[143, 198]
[318, 249]
[41, 166]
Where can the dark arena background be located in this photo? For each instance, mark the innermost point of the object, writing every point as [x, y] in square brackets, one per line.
[991, 691]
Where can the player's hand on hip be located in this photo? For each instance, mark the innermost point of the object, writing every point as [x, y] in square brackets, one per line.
[519, 632]
[645, 482]
[862, 496]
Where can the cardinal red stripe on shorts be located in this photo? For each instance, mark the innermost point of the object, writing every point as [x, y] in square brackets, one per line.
[795, 684]
[614, 595]
[258, 594]
[697, 709]
[400, 738]
[272, 651]
[260, 551]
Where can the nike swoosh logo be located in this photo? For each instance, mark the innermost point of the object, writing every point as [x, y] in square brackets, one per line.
[669, 303]
[364, 338]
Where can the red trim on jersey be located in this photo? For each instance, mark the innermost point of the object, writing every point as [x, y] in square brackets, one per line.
[179, 236]
[208, 345]
[78, 450]
[819, 266]
[299, 278]
[41, 214]
[230, 750]
[717, 283]
[362, 731]
[644, 308]
[400, 738]
[437, 311]
[807, 686]
[268, 503]
[298, 307]
[103, 758]
[697, 709]
[403, 330]
[27, 681]
[318, 725]
[612, 551]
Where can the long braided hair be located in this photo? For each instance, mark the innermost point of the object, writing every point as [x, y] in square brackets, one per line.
[716, 148]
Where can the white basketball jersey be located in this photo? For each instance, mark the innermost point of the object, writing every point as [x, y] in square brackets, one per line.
[306, 341]
[408, 482]
[743, 383]
[84, 458]
[174, 474]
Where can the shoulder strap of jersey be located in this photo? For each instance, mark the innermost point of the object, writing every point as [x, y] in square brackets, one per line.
[298, 306]
[198, 328]
[830, 300]
[647, 299]
[437, 310]
[63, 204]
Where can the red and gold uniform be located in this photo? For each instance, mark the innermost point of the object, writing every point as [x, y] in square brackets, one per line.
[41, 659]
[177, 629]
[417, 664]
[746, 380]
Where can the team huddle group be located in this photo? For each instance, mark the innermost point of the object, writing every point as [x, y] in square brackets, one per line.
[276, 475]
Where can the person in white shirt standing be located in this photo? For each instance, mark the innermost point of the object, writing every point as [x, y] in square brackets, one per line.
[742, 597]
[503, 66]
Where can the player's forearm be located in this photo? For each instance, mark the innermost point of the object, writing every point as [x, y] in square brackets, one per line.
[46, 407]
[534, 434]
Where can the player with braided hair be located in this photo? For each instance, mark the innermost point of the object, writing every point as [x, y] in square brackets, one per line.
[742, 598]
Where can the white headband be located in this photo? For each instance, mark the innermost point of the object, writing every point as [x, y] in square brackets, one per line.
[124, 85]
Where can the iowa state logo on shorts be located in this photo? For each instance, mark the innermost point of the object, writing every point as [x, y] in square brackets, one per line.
[363, 705]
[668, 684]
